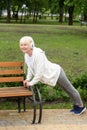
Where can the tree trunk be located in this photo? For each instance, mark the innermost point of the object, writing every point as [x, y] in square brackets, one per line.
[85, 17]
[61, 5]
[70, 11]
[61, 15]
[34, 17]
[8, 11]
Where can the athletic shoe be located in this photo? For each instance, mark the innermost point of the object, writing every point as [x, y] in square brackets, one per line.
[80, 110]
[75, 107]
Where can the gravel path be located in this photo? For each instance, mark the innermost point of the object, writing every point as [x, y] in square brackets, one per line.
[55, 119]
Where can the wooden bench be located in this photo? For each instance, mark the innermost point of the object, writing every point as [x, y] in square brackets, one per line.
[11, 86]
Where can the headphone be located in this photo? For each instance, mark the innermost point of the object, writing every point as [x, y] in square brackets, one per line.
[32, 44]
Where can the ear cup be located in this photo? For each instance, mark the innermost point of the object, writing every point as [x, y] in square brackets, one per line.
[31, 45]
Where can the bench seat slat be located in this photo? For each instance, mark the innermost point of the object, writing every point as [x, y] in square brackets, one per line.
[13, 88]
[14, 92]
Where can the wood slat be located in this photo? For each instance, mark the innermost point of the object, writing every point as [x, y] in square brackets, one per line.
[18, 89]
[11, 79]
[13, 88]
[7, 72]
[14, 92]
[2, 91]
[10, 64]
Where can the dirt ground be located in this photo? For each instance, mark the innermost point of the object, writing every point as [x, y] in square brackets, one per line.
[55, 119]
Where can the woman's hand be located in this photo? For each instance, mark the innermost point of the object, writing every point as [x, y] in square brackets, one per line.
[26, 84]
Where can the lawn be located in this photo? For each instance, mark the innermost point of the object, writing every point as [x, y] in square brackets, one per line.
[65, 45]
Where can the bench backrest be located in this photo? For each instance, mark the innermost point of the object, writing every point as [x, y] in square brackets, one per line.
[11, 72]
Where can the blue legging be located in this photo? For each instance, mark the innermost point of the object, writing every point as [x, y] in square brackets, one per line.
[66, 85]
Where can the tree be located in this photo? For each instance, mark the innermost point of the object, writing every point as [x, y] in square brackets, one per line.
[16, 6]
[61, 10]
[36, 7]
[6, 4]
[2, 6]
[57, 7]
[76, 6]
[70, 5]
[8, 11]
[84, 10]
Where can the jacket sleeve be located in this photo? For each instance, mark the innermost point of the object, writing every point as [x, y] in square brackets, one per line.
[39, 68]
[29, 75]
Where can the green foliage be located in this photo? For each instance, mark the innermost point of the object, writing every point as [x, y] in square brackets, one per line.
[81, 84]
[55, 93]
[52, 93]
[81, 81]
[83, 93]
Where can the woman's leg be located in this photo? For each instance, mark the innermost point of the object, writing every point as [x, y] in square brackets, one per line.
[69, 89]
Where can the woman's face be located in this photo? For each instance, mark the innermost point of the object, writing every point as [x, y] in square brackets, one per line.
[25, 48]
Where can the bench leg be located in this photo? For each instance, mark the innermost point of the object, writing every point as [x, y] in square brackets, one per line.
[36, 103]
[34, 115]
[40, 105]
[24, 104]
[19, 107]
[19, 104]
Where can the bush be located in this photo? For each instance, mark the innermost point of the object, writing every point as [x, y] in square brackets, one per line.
[55, 93]
[52, 93]
[81, 84]
[81, 81]
[83, 93]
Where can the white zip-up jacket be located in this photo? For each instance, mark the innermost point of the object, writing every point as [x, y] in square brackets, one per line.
[40, 69]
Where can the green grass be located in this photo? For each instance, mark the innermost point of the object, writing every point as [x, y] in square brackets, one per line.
[65, 45]
[10, 105]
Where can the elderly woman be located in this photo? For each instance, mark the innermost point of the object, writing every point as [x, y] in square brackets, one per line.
[40, 69]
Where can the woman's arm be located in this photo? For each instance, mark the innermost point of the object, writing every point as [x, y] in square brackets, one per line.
[39, 68]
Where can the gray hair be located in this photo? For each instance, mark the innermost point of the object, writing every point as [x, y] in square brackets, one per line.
[28, 40]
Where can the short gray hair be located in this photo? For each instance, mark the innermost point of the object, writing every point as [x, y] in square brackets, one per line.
[28, 40]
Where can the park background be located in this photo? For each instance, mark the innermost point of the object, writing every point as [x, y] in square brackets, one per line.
[59, 28]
